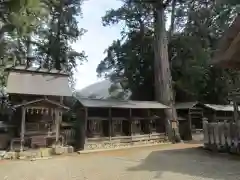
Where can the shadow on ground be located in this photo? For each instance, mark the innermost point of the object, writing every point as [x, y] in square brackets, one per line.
[194, 162]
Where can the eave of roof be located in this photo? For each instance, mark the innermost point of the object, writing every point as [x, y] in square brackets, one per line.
[22, 68]
[186, 105]
[29, 103]
[103, 103]
[217, 107]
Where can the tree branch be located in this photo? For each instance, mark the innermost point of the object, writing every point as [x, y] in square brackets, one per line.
[166, 3]
[171, 29]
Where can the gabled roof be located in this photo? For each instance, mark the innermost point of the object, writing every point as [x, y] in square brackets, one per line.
[217, 107]
[103, 103]
[37, 82]
[186, 105]
[35, 70]
[29, 103]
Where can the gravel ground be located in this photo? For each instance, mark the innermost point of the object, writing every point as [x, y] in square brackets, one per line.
[169, 162]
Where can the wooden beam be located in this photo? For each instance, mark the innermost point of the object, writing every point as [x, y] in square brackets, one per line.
[23, 128]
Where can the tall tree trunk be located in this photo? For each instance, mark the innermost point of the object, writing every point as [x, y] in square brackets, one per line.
[163, 78]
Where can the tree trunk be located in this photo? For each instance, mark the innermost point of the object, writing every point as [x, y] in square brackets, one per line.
[163, 79]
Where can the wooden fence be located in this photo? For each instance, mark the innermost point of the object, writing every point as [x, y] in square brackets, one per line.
[222, 136]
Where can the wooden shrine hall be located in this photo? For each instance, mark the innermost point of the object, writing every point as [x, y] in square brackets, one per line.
[118, 121]
[37, 95]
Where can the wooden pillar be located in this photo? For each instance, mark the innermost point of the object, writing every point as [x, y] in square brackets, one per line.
[86, 122]
[81, 128]
[190, 119]
[149, 121]
[23, 128]
[214, 116]
[110, 123]
[130, 120]
[190, 124]
[235, 107]
[57, 125]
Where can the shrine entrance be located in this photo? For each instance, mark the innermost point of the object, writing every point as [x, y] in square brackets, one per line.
[39, 125]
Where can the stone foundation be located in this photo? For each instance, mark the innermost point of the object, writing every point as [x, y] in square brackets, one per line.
[37, 154]
[116, 145]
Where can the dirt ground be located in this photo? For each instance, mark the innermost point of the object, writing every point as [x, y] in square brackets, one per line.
[169, 162]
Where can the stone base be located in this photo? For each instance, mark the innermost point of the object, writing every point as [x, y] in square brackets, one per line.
[41, 153]
[10, 155]
[58, 150]
[119, 145]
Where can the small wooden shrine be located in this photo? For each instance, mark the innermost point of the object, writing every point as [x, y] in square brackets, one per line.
[190, 118]
[118, 122]
[37, 95]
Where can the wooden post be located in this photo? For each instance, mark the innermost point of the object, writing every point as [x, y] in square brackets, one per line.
[57, 125]
[130, 120]
[110, 123]
[81, 128]
[235, 115]
[214, 116]
[23, 128]
[149, 121]
[86, 121]
[190, 124]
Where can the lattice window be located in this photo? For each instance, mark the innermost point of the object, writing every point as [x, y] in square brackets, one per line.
[153, 125]
[117, 126]
[95, 126]
[136, 126]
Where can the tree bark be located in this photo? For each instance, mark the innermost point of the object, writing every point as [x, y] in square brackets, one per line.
[163, 78]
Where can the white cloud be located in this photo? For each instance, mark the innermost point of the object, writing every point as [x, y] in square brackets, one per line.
[96, 40]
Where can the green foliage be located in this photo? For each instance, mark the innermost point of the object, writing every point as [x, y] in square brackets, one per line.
[43, 29]
[197, 29]
[53, 48]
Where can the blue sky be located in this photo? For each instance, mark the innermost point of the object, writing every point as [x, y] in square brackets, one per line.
[96, 40]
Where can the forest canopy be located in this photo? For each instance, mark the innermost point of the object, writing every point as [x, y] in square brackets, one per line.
[195, 29]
